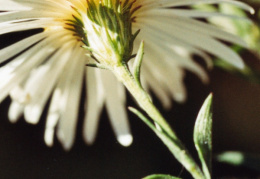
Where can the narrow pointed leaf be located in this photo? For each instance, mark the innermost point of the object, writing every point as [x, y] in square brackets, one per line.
[175, 147]
[138, 63]
[160, 176]
[135, 35]
[97, 65]
[203, 135]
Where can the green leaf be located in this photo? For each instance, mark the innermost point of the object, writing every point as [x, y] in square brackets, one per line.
[237, 158]
[168, 141]
[138, 62]
[174, 145]
[202, 135]
[160, 176]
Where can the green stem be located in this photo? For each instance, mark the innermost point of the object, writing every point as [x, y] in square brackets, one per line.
[143, 99]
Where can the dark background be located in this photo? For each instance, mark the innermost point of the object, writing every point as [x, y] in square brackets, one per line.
[236, 126]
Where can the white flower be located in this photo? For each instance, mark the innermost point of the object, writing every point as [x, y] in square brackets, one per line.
[52, 63]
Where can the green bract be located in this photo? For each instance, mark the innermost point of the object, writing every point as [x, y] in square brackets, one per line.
[106, 30]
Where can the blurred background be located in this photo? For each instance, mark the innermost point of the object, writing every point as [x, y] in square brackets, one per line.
[236, 127]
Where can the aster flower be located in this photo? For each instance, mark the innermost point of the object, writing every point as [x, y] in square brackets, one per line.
[52, 63]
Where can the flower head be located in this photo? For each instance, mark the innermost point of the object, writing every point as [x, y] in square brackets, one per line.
[52, 63]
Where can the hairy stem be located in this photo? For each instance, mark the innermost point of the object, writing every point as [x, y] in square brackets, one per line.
[143, 99]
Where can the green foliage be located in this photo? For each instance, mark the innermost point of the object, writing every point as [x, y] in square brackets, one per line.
[160, 176]
[202, 139]
[203, 135]
[138, 63]
[237, 158]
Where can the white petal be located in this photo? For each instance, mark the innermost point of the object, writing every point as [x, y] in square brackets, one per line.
[15, 111]
[125, 140]
[169, 16]
[51, 123]
[41, 83]
[14, 27]
[115, 104]
[94, 104]
[14, 49]
[71, 92]
[197, 39]
[35, 56]
[12, 5]
[176, 3]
